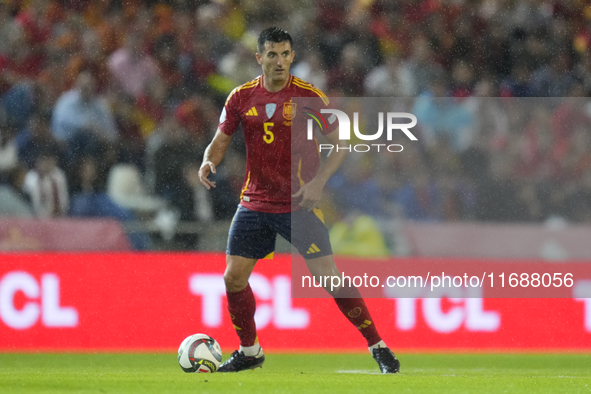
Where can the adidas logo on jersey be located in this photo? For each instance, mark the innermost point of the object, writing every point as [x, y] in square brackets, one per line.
[252, 112]
[313, 249]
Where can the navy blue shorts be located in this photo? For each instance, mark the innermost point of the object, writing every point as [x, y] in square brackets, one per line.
[253, 234]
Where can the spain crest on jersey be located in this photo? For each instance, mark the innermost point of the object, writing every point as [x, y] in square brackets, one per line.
[289, 110]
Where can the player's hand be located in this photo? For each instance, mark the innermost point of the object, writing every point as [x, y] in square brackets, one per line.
[311, 194]
[206, 168]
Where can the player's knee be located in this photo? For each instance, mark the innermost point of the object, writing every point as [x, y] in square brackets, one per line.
[235, 281]
[333, 291]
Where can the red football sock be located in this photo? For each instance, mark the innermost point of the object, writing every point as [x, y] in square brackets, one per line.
[242, 306]
[353, 307]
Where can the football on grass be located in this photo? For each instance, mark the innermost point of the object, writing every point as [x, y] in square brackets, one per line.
[199, 353]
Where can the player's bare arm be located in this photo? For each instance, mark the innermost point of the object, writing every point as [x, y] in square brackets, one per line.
[312, 191]
[214, 153]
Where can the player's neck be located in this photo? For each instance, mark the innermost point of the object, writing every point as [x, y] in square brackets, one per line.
[274, 87]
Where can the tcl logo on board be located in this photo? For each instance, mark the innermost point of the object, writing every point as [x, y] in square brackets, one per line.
[273, 306]
[42, 302]
[28, 300]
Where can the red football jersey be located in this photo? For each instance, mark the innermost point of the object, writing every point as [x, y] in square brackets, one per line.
[273, 168]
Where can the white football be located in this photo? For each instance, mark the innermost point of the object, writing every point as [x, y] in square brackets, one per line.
[199, 353]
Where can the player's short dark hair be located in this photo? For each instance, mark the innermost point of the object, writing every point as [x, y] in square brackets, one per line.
[274, 35]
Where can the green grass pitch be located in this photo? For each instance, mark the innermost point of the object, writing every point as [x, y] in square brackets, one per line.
[298, 373]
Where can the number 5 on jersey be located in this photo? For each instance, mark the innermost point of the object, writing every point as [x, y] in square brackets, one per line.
[269, 136]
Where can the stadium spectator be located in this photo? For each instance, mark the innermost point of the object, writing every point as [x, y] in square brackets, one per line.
[358, 235]
[83, 120]
[568, 117]
[582, 72]
[579, 201]
[536, 159]
[200, 65]
[8, 29]
[167, 55]
[125, 186]
[420, 199]
[444, 120]
[518, 83]
[208, 19]
[497, 192]
[12, 203]
[462, 79]
[92, 58]
[311, 69]
[229, 181]
[34, 137]
[392, 79]
[554, 79]
[46, 184]
[364, 190]
[133, 126]
[8, 148]
[238, 65]
[422, 65]
[131, 66]
[203, 210]
[175, 150]
[346, 78]
[19, 62]
[89, 200]
[21, 100]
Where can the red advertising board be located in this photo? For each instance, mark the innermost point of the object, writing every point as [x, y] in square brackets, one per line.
[150, 302]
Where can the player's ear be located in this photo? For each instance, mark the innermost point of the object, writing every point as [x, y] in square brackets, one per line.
[258, 58]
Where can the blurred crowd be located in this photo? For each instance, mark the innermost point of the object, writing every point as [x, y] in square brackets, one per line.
[475, 159]
[108, 105]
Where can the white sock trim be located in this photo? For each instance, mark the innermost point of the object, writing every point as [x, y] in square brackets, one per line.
[378, 345]
[251, 351]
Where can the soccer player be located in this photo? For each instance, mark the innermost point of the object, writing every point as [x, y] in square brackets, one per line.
[267, 208]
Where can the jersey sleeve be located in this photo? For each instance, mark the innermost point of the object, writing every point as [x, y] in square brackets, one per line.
[229, 119]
